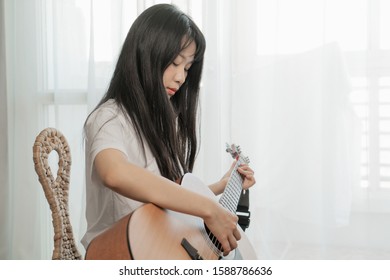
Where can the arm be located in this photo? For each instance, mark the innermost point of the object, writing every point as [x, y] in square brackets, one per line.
[137, 183]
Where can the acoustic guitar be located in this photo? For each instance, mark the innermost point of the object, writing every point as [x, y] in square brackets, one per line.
[152, 233]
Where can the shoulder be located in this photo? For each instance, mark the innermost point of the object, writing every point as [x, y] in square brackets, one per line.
[108, 115]
[107, 110]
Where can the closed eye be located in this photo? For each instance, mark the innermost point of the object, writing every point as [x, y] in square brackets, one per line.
[188, 67]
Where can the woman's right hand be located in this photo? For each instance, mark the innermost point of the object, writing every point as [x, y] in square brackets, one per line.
[223, 224]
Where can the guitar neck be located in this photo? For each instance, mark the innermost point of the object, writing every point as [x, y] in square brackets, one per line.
[232, 193]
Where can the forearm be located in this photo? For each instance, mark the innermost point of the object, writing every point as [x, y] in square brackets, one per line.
[218, 187]
[145, 186]
[139, 184]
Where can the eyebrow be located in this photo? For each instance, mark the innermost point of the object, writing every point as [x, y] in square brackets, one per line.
[192, 56]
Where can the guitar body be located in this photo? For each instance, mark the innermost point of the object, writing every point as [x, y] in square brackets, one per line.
[152, 233]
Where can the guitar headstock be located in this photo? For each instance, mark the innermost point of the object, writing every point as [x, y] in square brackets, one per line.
[236, 153]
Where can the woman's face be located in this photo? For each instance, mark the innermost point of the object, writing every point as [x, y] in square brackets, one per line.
[176, 73]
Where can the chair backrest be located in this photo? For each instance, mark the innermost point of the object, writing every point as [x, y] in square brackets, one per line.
[56, 189]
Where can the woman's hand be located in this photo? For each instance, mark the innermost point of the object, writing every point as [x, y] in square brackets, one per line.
[223, 224]
[247, 175]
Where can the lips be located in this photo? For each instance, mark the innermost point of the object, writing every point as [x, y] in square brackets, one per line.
[171, 91]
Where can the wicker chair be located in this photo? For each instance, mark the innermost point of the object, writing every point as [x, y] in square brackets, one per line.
[56, 190]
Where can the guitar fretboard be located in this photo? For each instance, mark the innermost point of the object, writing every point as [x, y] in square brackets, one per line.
[232, 193]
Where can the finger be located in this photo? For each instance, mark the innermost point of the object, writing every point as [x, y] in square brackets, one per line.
[250, 171]
[226, 247]
[248, 182]
[237, 234]
[232, 245]
[233, 242]
[247, 176]
[250, 178]
[246, 172]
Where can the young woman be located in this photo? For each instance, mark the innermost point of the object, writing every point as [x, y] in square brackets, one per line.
[141, 138]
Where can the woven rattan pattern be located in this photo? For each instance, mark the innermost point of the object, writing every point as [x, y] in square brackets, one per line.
[56, 190]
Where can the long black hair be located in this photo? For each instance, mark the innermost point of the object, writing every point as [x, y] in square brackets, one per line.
[168, 126]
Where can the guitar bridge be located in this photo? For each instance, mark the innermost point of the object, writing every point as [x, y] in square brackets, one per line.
[191, 251]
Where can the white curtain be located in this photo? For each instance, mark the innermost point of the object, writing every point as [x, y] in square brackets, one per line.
[3, 140]
[280, 80]
[277, 80]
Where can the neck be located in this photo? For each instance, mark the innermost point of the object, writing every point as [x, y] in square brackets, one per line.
[232, 193]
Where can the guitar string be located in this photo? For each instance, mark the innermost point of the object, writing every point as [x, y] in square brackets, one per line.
[209, 244]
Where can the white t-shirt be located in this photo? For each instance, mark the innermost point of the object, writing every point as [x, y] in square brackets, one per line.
[106, 128]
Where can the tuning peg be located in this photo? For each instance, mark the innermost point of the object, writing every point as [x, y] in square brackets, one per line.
[228, 148]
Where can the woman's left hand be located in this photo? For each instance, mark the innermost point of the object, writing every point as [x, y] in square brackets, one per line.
[246, 172]
[247, 175]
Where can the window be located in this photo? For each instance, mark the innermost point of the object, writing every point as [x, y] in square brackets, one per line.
[361, 29]
[370, 96]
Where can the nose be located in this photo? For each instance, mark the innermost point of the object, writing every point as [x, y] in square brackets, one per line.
[180, 76]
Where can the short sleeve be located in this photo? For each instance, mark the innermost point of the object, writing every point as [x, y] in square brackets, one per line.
[104, 130]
